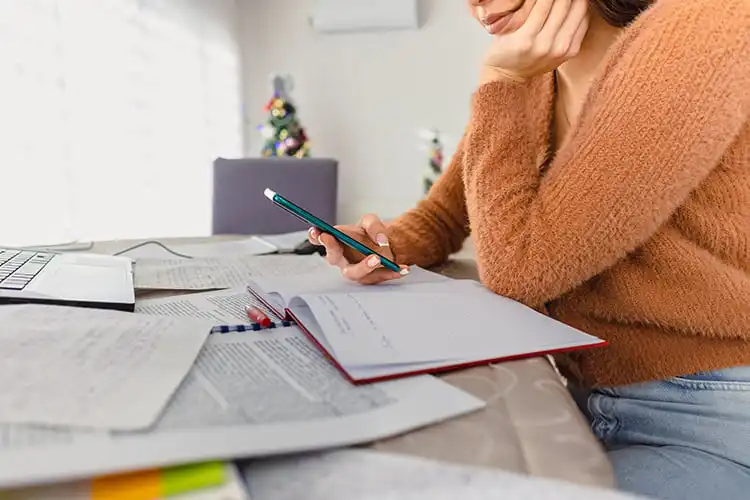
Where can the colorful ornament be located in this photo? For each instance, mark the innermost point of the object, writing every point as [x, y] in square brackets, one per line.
[436, 160]
[266, 132]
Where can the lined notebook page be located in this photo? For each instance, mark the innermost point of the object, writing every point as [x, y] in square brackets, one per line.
[432, 322]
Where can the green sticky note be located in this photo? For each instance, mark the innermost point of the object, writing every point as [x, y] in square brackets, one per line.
[177, 480]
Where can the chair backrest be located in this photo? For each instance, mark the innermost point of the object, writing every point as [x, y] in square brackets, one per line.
[239, 206]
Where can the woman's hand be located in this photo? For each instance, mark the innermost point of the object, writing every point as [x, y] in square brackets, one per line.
[370, 231]
[552, 34]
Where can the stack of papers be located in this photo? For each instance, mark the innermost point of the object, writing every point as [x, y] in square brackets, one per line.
[251, 394]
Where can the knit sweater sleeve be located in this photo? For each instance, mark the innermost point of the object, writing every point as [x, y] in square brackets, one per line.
[428, 234]
[672, 99]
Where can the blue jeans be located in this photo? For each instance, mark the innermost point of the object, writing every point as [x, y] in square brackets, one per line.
[682, 438]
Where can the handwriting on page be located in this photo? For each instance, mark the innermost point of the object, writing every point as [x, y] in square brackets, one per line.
[92, 368]
[355, 319]
[425, 324]
[363, 330]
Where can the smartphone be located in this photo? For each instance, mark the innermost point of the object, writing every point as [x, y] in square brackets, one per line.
[325, 227]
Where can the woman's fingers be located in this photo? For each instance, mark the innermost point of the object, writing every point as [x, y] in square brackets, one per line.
[334, 250]
[313, 236]
[361, 269]
[555, 20]
[537, 17]
[379, 276]
[568, 33]
[580, 34]
[376, 231]
[369, 271]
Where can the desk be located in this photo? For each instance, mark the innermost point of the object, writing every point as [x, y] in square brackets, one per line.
[531, 424]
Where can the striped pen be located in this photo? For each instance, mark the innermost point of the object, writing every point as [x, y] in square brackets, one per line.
[258, 321]
[250, 327]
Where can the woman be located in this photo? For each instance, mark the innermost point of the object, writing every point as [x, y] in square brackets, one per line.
[604, 177]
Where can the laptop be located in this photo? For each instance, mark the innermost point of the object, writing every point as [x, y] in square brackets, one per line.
[85, 280]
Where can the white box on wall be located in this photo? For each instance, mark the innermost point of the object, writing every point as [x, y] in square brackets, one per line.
[335, 16]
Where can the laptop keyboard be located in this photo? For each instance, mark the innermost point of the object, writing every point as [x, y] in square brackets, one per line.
[19, 267]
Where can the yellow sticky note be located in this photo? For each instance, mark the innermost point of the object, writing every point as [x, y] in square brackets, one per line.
[143, 485]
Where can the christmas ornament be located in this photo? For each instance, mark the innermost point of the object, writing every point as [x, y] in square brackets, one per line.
[266, 131]
[435, 158]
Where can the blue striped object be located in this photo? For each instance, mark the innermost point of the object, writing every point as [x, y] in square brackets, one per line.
[249, 327]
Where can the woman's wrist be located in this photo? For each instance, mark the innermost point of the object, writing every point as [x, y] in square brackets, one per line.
[489, 74]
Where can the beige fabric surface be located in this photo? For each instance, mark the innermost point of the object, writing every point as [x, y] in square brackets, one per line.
[530, 425]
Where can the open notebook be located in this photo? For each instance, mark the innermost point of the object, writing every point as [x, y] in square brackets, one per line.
[423, 323]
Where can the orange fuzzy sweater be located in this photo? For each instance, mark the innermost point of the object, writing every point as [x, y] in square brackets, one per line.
[638, 230]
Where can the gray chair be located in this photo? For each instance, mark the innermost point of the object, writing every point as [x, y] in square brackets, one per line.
[239, 206]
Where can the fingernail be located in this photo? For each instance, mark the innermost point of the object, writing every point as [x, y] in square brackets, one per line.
[404, 271]
[314, 233]
[373, 261]
[382, 240]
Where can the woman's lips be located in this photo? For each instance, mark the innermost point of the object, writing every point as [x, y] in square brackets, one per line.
[496, 23]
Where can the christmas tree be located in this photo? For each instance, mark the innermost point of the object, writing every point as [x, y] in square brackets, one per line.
[435, 165]
[284, 135]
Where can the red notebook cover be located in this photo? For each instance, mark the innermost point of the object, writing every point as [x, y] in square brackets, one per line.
[290, 315]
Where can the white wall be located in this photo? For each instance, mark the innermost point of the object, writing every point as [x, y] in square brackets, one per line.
[114, 104]
[363, 97]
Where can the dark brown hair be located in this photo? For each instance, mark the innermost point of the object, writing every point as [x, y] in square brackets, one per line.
[620, 13]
